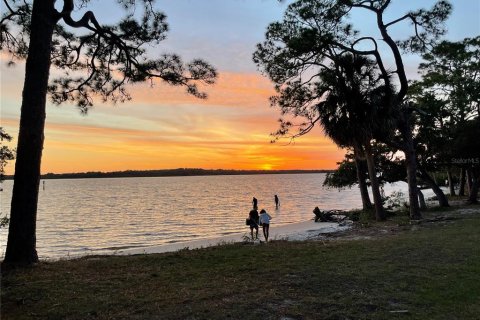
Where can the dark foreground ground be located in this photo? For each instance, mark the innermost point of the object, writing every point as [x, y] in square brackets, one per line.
[388, 270]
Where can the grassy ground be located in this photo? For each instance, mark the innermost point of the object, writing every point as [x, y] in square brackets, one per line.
[395, 271]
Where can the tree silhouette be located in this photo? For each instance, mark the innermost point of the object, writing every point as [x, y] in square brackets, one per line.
[465, 152]
[348, 100]
[351, 170]
[93, 60]
[449, 95]
[6, 154]
[313, 32]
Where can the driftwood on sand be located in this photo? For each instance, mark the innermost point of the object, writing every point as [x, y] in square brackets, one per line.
[329, 215]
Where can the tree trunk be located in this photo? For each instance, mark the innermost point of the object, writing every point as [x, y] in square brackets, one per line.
[451, 185]
[442, 199]
[362, 184]
[21, 245]
[411, 163]
[472, 198]
[421, 199]
[469, 181]
[377, 197]
[461, 190]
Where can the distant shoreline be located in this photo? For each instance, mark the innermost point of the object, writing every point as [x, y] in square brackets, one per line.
[180, 172]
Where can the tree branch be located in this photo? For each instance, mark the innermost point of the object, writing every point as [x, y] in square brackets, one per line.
[384, 6]
[398, 58]
[400, 19]
[8, 6]
[362, 5]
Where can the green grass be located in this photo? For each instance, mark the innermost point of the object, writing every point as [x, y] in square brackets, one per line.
[426, 271]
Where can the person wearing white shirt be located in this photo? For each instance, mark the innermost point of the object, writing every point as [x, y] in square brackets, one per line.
[265, 223]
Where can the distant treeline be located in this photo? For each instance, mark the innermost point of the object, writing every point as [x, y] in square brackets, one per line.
[168, 173]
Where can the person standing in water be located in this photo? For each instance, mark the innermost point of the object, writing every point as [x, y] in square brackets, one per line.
[277, 202]
[255, 203]
[265, 223]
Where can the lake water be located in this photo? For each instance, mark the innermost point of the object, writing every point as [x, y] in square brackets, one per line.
[90, 216]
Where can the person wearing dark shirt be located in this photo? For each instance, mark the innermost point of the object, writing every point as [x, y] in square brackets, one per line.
[255, 203]
[253, 215]
[277, 202]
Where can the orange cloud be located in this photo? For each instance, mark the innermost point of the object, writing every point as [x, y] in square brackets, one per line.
[232, 89]
[162, 127]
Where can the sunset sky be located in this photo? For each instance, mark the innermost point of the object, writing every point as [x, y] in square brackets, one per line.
[163, 127]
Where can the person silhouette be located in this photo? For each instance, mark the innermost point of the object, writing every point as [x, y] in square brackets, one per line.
[265, 223]
[254, 217]
[255, 203]
[277, 202]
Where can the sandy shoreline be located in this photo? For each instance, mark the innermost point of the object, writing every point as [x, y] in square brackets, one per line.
[294, 232]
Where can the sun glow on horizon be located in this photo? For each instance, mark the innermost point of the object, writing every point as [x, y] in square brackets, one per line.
[266, 167]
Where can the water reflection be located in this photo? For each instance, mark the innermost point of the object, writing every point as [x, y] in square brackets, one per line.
[97, 215]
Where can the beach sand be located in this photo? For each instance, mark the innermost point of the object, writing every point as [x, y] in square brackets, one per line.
[292, 232]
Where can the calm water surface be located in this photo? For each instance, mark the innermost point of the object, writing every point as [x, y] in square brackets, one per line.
[90, 216]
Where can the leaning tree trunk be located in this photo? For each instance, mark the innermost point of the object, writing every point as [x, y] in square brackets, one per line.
[461, 189]
[451, 186]
[362, 184]
[442, 199]
[372, 173]
[21, 245]
[421, 199]
[404, 124]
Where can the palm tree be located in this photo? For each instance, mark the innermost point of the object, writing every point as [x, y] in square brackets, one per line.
[351, 102]
[354, 111]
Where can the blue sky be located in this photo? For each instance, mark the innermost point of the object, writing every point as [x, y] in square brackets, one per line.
[225, 32]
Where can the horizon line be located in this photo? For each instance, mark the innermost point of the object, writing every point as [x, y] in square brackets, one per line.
[172, 172]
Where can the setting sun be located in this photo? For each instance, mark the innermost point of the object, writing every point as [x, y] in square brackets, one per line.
[266, 166]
